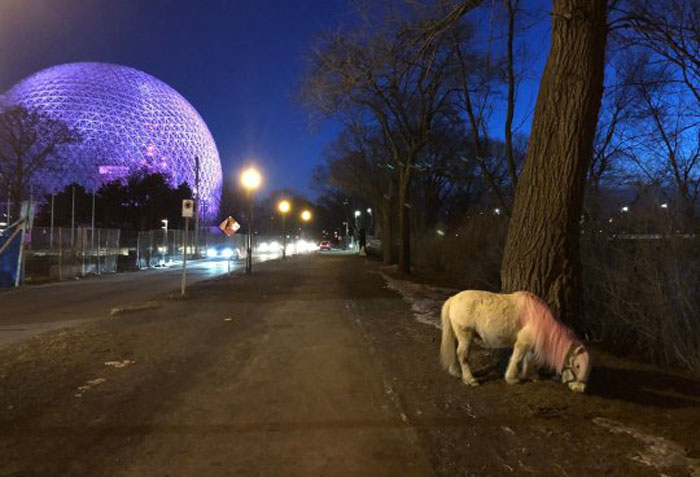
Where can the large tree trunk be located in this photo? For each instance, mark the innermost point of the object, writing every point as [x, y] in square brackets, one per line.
[404, 225]
[387, 236]
[542, 247]
[387, 229]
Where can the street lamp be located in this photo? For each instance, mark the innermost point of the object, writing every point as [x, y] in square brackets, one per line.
[357, 227]
[250, 180]
[165, 237]
[306, 216]
[284, 206]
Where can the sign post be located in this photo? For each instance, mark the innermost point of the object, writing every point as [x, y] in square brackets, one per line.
[187, 212]
[229, 227]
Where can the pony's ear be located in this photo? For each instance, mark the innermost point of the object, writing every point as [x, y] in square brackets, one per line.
[578, 350]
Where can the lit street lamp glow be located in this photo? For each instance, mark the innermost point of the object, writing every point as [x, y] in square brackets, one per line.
[357, 213]
[306, 216]
[284, 206]
[251, 179]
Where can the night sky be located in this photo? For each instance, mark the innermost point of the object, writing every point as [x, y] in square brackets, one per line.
[238, 62]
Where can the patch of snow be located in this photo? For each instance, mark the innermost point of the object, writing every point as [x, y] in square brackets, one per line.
[425, 300]
[119, 364]
[89, 385]
[659, 453]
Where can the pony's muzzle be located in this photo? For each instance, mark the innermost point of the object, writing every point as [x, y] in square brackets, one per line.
[577, 387]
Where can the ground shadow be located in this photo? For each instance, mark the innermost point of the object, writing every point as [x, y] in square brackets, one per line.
[644, 387]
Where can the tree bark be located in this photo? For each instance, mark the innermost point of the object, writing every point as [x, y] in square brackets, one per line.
[404, 226]
[542, 247]
[387, 235]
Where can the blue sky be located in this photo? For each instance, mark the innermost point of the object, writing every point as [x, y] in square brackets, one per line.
[238, 62]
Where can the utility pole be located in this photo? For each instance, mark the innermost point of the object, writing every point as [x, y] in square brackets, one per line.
[196, 207]
[72, 218]
[92, 234]
[53, 196]
[183, 283]
[249, 254]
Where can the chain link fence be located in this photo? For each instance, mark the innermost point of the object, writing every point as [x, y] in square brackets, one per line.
[158, 248]
[60, 252]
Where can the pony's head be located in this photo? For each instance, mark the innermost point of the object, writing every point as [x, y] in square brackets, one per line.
[576, 368]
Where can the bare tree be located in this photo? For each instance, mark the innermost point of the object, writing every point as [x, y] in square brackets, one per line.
[512, 7]
[29, 142]
[542, 247]
[664, 35]
[673, 140]
[476, 77]
[391, 81]
[615, 141]
[358, 162]
[669, 30]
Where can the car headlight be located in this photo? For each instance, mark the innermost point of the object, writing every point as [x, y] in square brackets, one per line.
[211, 252]
[227, 253]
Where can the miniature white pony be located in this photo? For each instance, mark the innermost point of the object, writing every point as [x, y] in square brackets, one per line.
[519, 320]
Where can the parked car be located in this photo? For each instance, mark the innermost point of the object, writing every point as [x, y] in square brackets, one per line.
[324, 245]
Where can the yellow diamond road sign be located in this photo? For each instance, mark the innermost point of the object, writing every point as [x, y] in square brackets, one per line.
[229, 226]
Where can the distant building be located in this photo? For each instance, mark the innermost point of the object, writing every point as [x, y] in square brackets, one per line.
[129, 121]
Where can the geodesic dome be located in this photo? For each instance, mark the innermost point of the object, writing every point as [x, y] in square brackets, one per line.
[129, 121]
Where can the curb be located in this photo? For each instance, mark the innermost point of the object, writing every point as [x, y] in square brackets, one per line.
[121, 310]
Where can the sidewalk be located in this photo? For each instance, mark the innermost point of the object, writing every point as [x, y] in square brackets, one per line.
[314, 367]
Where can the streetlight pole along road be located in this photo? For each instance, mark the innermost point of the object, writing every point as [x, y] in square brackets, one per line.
[284, 206]
[250, 180]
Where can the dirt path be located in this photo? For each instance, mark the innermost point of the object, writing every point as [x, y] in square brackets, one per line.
[314, 367]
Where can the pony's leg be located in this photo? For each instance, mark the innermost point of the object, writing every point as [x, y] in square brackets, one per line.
[464, 339]
[519, 351]
[529, 367]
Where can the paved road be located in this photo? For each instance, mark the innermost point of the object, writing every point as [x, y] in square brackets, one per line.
[34, 309]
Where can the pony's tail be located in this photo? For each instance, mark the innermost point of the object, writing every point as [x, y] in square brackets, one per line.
[448, 348]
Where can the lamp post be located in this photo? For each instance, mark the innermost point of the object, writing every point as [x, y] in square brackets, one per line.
[284, 206]
[250, 180]
[371, 220]
[357, 228]
[165, 238]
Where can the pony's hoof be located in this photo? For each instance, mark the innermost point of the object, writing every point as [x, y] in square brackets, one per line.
[473, 382]
[455, 372]
[512, 380]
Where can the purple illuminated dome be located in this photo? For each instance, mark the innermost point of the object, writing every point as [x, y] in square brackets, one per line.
[129, 121]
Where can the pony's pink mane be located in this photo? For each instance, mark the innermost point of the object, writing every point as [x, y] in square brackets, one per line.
[552, 340]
